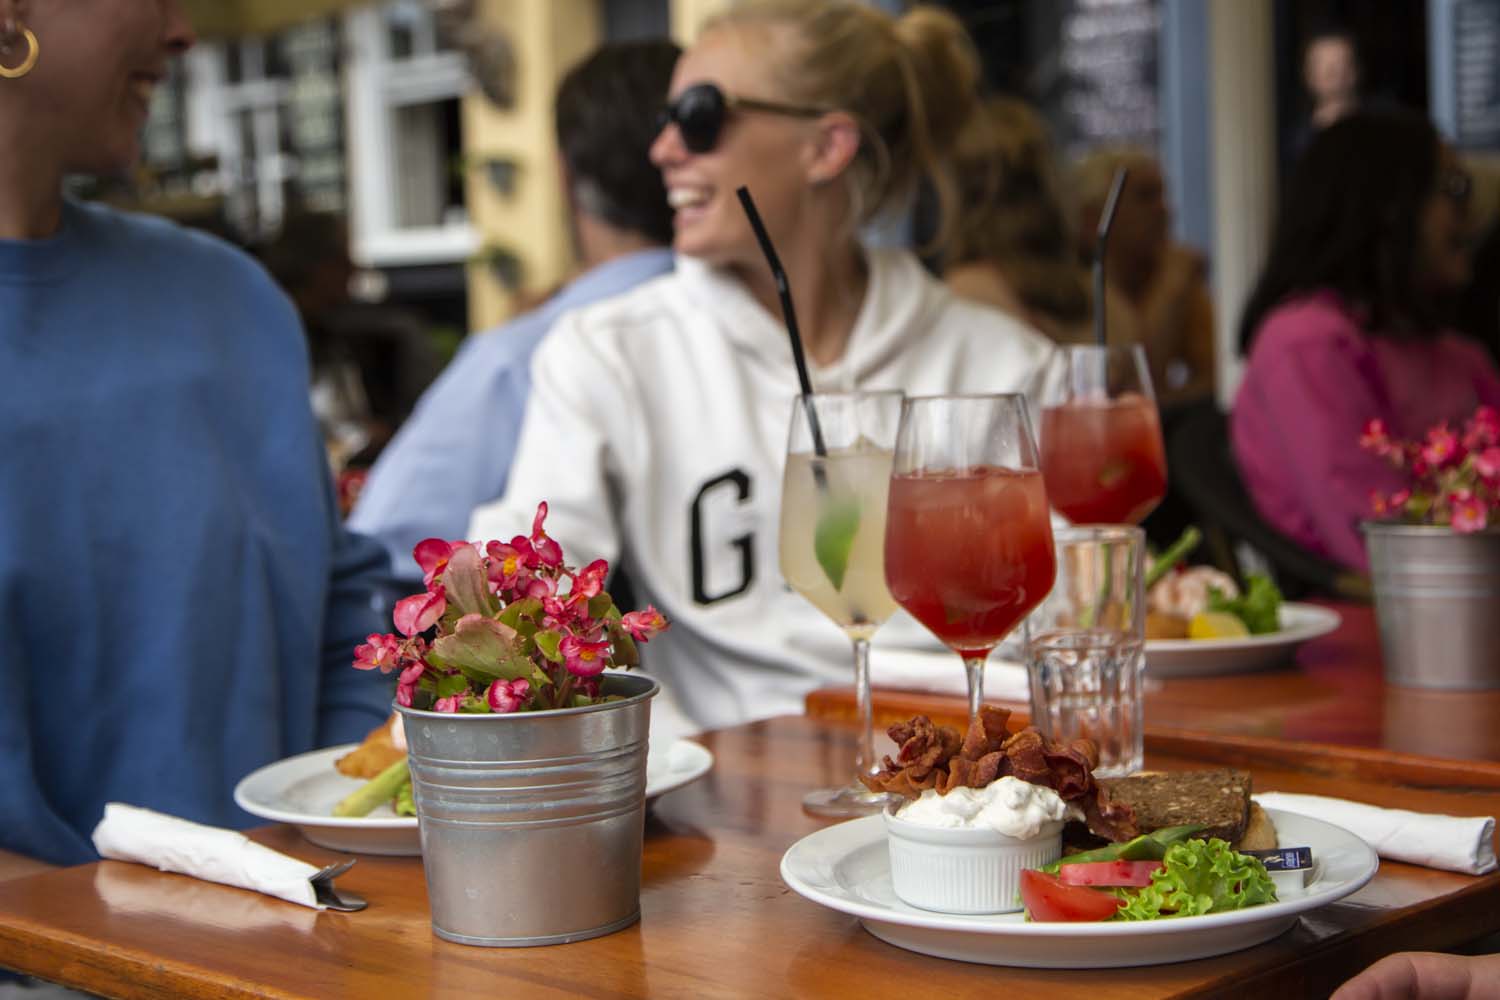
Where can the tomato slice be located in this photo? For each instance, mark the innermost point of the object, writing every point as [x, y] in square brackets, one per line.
[1047, 899]
[1136, 873]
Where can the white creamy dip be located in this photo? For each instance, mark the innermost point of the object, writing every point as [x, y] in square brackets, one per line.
[1009, 805]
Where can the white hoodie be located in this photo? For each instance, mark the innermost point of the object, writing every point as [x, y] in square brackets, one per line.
[656, 432]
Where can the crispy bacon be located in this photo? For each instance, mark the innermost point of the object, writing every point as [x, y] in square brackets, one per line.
[933, 756]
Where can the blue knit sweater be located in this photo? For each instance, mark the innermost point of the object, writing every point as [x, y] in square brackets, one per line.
[178, 601]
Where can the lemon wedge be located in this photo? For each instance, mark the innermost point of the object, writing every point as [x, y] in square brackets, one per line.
[1217, 625]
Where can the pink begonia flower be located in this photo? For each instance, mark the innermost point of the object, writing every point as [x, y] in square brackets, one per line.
[432, 555]
[548, 551]
[1399, 499]
[510, 565]
[448, 704]
[1483, 428]
[1441, 447]
[589, 581]
[647, 623]
[404, 694]
[1468, 510]
[419, 612]
[583, 659]
[508, 696]
[381, 652]
[1375, 438]
[1487, 463]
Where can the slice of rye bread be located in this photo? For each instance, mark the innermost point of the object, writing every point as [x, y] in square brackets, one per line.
[1220, 800]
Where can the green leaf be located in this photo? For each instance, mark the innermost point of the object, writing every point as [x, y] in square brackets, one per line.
[626, 653]
[465, 586]
[1199, 877]
[1259, 607]
[449, 685]
[601, 605]
[483, 648]
[547, 641]
[833, 538]
[518, 614]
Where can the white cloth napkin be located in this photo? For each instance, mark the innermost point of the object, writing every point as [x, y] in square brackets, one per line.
[943, 673]
[129, 833]
[1452, 843]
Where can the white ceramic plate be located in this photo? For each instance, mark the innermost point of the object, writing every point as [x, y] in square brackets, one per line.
[1207, 657]
[303, 790]
[847, 867]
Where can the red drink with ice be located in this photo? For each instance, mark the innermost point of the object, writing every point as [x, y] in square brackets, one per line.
[1103, 459]
[969, 552]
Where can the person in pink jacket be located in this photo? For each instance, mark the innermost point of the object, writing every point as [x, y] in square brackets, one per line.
[1346, 325]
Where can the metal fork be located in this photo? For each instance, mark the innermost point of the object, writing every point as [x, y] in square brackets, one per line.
[335, 899]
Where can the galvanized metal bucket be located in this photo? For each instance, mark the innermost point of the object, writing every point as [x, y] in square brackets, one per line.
[1437, 601]
[531, 822]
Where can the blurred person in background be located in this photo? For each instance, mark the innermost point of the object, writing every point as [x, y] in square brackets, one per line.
[456, 450]
[1161, 283]
[179, 598]
[1346, 325]
[657, 423]
[1013, 248]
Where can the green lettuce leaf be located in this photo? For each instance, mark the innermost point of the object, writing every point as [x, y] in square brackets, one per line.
[1199, 877]
[1259, 607]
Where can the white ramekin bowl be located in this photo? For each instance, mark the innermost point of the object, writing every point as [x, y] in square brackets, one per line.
[963, 871]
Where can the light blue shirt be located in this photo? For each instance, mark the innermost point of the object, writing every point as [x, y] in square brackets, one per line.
[455, 450]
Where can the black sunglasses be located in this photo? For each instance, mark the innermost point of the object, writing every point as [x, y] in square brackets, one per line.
[700, 110]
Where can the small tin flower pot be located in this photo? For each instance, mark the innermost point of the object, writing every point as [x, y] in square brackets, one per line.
[531, 822]
[1437, 602]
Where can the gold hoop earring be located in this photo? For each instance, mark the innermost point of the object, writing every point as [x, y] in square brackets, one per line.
[28, 63]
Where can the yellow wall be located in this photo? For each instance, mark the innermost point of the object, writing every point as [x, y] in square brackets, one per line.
[548, 37]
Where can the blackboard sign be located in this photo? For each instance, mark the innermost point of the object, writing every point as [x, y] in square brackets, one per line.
[1476, 73]
[1097, 70]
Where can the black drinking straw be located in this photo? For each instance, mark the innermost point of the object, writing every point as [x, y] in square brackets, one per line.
[1106, 221]
[790, 315]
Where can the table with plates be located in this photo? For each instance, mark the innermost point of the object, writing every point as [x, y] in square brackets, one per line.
[717, 918]
[1332, 691]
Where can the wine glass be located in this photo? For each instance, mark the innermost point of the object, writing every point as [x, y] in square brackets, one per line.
[1102, 453]
[968, 536]
[833, 497]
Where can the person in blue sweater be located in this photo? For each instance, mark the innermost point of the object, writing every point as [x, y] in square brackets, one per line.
[178, 598]
[454, 452]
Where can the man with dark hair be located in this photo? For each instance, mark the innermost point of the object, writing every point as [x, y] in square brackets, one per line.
[455, 451]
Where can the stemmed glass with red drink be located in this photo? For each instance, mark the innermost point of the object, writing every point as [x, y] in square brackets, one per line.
[1102, 453]
[968, 541]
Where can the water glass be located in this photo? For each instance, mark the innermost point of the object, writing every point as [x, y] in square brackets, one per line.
[1086, 645]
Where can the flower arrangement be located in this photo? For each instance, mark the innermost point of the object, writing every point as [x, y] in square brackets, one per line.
[506, 627]
[1453, 477]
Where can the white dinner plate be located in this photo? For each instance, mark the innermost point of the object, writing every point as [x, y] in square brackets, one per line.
[847, 867]
[1207, 657]
[303, 790]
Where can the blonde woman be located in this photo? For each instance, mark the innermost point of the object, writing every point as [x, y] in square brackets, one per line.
[657, 425]
[1014, 248]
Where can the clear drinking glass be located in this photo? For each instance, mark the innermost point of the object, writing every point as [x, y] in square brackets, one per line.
[1086, 648]
[833, 510]
[1102, 452]
[968, 538]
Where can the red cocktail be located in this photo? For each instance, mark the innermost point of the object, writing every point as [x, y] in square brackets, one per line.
[969, 553]
[1103, 459]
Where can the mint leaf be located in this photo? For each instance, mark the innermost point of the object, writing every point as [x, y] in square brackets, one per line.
[833, 539]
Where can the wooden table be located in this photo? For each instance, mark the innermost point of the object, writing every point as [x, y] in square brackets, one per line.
[717, 919]
[1334, 692]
